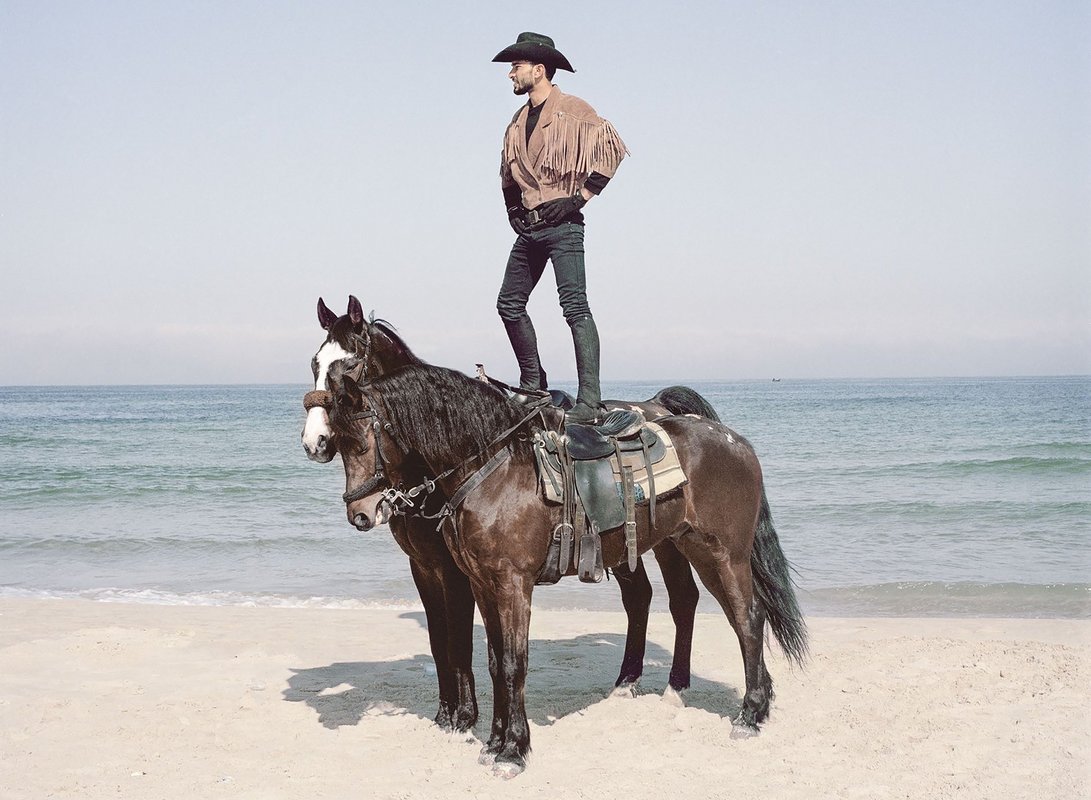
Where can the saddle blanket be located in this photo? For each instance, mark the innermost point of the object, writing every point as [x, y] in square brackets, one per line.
[666, 472]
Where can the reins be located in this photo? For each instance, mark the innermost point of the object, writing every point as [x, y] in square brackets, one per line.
[479, 475]
[402, 500]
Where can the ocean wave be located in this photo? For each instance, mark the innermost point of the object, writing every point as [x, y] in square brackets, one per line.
[209, 598]
[957, 599]
[902, 599]
[1033, 464]
[1012, 512]
[957, 468]
[76, 545]
[129, 482]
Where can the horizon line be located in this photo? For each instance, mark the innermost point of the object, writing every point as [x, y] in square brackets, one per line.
[665, 381]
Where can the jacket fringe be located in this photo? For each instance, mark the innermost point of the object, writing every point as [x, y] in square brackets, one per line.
[574, 148]
[511, 151]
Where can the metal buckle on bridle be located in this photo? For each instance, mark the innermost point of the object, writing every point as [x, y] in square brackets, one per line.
[401, 501]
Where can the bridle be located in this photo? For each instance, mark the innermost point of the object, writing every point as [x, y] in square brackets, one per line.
[402, 502]
[378, 477]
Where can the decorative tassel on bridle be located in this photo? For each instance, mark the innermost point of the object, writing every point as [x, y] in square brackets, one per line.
[317, 398]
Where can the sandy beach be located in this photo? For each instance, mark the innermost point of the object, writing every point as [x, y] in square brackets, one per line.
[122, 700]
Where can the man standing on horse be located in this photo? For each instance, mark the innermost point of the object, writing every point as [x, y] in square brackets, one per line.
[558, 154]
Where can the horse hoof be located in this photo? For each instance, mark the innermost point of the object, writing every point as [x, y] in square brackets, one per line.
[740, 730]
[486, 758]
[625, 690]
[674, 697]
[505, 770]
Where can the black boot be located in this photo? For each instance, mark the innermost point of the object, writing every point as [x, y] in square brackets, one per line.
[588, 409]
[525, 344]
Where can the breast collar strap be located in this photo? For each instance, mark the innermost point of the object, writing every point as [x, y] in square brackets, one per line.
[471, 483]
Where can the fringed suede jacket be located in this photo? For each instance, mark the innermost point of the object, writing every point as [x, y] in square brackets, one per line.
[568, 145]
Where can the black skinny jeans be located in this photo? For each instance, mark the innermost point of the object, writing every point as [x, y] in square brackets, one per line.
[563, 245]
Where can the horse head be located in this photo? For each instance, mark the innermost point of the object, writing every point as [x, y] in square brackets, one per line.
[371, 457]
[368, 348]
[341, 342]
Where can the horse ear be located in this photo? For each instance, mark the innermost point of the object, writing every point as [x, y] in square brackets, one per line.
[348, 392]
[356, 311]
[326, 318]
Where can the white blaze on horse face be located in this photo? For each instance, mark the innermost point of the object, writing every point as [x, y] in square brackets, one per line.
[327, 354]
[318, 421]
[316, 426]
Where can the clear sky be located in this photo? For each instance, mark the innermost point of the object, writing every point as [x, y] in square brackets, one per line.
[816, 189]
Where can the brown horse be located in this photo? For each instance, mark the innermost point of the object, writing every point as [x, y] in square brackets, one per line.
[371, 348]
[428, 426]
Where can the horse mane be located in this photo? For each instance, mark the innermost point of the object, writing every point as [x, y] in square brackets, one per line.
[391, 352]
[401, 352]
[440, 413]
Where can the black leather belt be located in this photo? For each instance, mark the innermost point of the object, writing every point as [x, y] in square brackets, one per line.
[533, 219]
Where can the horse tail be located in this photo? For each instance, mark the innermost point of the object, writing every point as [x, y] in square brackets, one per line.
[684, 400]
[775, 590]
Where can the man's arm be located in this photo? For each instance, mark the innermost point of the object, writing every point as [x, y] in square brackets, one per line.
[593, 186]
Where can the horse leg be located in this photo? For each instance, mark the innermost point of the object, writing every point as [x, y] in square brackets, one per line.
[449, 608]
[759, 684]
[496, 729]
[636, 597]
[505, 608]
[732, 585]
[683, 594]
[459, 607]
[747, 616]
[430, 588]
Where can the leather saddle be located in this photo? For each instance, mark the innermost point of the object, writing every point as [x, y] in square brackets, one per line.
[621, 431]
[624, 428]
[591, 470]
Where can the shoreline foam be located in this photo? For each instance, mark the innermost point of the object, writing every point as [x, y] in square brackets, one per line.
[912, 599]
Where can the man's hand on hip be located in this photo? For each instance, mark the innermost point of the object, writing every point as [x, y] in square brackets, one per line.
[515, 219]
[554, 211]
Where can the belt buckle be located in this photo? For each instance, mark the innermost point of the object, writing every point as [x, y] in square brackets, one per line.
[533, 218]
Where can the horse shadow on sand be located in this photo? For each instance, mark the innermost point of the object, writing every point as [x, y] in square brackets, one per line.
[565, 676]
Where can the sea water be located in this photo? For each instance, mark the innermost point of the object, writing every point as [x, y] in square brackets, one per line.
[891, 497]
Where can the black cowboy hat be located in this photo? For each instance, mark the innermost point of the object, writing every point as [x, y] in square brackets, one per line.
[535, 48]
